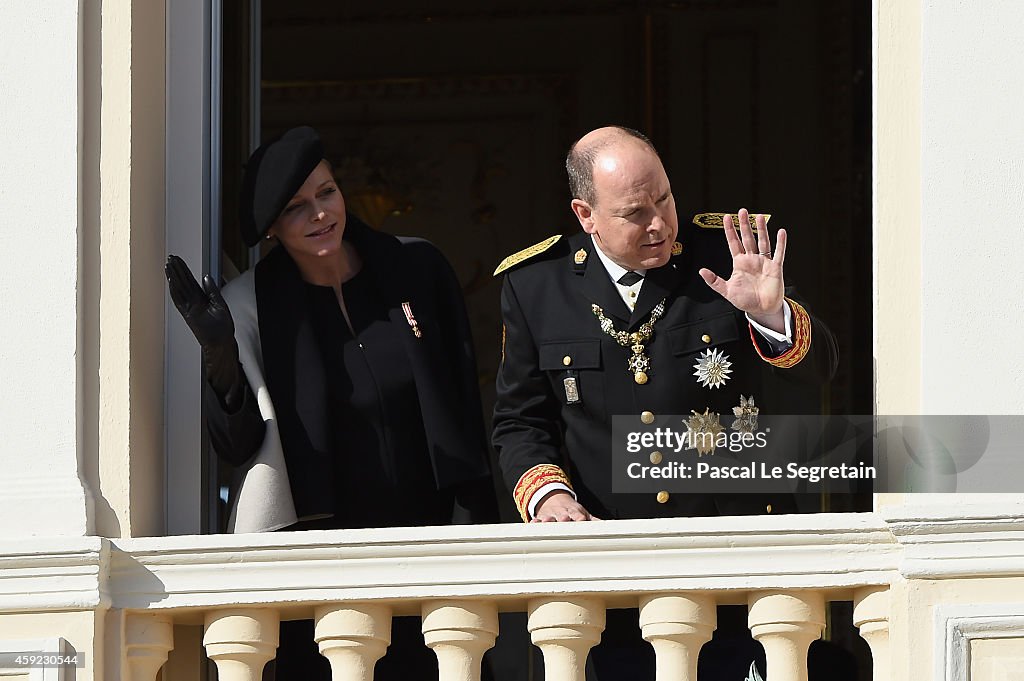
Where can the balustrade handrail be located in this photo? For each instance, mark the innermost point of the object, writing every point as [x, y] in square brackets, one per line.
[506, 562]
[729, 554]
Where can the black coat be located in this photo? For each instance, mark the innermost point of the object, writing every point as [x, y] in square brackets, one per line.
[546, 308]
[442, 361]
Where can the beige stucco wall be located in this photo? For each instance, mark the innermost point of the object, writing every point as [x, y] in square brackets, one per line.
[997, 659]
[946, 147]
[130, 288]
[40, 114]
[918, 608]
[897, 194]
[82, 188]
[972, 180]
[82, 630]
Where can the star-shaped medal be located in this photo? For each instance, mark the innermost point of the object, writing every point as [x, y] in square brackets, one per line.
[712, 368]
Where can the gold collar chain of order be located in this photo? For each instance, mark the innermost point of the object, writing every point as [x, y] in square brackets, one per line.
[639, 364]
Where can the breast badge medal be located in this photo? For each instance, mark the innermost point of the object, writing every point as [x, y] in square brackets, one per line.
[639, 364]
[746, 415]
[703, 431]
[712, 368]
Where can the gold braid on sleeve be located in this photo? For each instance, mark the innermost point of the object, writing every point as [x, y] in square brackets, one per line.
[531, 481]
[801, 339]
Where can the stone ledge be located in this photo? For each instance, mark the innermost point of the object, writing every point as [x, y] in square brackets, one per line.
[985, 540]
[509, 562]
[41, 574]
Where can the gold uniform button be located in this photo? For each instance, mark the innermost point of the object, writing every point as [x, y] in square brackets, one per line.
[706, 338]
[662, 497]
[647, 417]
[768, 508]
[567, 360]
[655, 458]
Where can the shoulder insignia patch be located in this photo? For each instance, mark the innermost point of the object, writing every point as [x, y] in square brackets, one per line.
[717, 220]
[526, 254]
[677, 248]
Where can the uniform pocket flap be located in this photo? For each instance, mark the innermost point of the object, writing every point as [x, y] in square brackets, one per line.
[562, 355]
[696, 336]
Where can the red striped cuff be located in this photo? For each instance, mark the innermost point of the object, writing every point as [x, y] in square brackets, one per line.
[531, 481]
[801, 339]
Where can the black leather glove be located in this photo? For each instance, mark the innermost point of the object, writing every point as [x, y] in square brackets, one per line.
[207, 315]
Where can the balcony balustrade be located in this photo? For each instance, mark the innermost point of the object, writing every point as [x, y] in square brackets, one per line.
[564, 576]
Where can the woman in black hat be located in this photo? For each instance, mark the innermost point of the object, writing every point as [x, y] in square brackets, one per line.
[342, 363]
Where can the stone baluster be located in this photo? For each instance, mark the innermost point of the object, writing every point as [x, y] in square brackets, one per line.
[785, 622]
[241, 641]
[565, 629]
[459, 633]
[677, 626]
[148, 637]
[353, 637]
[871, 616]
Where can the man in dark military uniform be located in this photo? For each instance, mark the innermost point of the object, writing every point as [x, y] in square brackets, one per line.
[622, 319]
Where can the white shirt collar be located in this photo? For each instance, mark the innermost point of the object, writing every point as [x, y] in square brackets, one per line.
[615, 271]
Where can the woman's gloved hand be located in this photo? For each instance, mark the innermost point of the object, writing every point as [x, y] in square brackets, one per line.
[207, 315]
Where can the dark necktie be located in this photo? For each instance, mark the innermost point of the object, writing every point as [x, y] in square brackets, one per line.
[630, 278]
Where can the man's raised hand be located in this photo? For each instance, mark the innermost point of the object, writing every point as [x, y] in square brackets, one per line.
[756, 285]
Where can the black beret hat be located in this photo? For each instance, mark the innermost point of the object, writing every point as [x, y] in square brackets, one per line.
[273, 174]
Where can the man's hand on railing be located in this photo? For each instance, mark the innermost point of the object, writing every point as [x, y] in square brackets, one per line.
[560, 507]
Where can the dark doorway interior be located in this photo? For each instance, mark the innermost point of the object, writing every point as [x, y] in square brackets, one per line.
[450, 122]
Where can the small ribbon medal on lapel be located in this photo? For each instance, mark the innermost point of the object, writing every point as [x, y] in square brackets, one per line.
[409, 317]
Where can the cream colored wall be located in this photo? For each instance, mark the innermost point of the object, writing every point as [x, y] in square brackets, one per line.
[131, 284]
[972, 179]
[897, 227]
[40, 200]
[897, 197]
[80, 629]
[949, 167]
[82, 189]
[918, 607]
[948, 163]
[186, 661]
[997, 659]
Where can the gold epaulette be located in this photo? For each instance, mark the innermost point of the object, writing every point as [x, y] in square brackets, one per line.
[717, 220]
[526, 254]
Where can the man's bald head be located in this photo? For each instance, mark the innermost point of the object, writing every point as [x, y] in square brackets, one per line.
[583, 154]
[623, 198]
